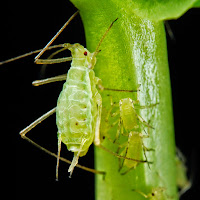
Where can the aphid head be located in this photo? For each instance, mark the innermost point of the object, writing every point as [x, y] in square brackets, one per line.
[82, 55]
[126, 103]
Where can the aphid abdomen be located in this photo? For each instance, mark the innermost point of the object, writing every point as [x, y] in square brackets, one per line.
[134, 149]
[74, 111]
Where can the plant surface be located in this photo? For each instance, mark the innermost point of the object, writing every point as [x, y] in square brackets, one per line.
[134, 53]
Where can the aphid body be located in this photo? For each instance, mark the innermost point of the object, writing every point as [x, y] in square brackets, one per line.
[128, 115]
[134, 149]
[79, 104]
[182, 181]
[155, 194]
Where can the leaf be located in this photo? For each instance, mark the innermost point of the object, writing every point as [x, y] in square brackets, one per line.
[161, 10]
[196, 4]
[156, 10]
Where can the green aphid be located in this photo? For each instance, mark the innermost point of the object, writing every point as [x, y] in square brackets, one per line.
[79, 106]
[182, 181]
[129, 125]
[78, 111]
[155, 194]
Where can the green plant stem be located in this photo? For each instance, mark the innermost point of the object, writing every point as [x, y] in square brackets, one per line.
[134, 52]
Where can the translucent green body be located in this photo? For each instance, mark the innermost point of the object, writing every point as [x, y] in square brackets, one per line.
[132, 122]
[76, 112]
[128, 114]
[134, 149]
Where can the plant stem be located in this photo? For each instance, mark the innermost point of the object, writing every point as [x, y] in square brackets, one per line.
[133, 53]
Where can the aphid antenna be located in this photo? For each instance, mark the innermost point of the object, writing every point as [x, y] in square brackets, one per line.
[29, 54]
[47, 47]
[56, 35]
[103, 37]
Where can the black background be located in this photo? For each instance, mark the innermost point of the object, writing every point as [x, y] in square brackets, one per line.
[27, 26]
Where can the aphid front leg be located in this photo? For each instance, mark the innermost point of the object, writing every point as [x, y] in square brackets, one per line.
[57, 60]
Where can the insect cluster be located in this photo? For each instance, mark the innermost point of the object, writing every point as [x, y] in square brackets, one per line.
[79, 109]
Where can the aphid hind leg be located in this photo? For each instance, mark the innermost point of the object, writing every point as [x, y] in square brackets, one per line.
[58, 156]
[141, 193]
[63, 159]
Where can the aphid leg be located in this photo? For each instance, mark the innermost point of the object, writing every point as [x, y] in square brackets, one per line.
[119, 130]
[53, 61]
[55, 36]
[58, 156]
[141, 193]
[44, 66]
[144, 151]
[144, 122]
[118, 90]
[36, 122]
[112, 105]
[50, 80]
[126, 150]
[63, 159]
[119, 156]
[145, 107]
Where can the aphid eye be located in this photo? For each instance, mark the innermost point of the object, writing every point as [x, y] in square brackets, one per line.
[153, 194]
[85, 53]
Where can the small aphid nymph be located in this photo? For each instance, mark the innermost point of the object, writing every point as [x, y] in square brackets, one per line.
[129, 123]
[155, 194]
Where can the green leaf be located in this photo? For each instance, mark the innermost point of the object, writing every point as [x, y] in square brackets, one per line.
[161, 10]
[155, 10]
[196, 4]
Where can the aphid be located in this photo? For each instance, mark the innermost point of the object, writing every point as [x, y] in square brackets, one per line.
[155, 194]
[78, 111]
[182, 181]
[130, 121]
